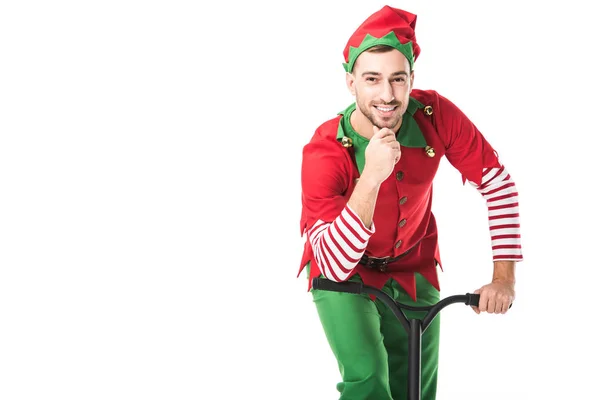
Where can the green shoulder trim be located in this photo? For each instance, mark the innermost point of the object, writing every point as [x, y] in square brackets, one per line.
[410, 134]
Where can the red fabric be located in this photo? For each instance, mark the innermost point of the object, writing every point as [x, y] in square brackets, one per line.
[381, 23]
[328, 179]
[324, 157]
[467, 149]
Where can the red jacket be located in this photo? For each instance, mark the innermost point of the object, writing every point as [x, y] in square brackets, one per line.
[402, 218]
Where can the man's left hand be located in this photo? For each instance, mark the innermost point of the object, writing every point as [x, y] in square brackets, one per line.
[496, 297]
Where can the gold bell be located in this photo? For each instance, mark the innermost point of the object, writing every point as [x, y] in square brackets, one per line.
[428, 110]
[346, 142]
[430, 151]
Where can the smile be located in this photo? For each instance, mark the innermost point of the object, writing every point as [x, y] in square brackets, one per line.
[385, 109]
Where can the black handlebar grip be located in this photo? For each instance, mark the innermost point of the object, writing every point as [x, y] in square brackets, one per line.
[473, 300]
[346, 287]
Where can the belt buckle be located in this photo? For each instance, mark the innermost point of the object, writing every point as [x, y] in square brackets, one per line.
[380, 262]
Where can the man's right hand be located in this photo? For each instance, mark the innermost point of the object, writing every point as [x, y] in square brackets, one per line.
[381, 154]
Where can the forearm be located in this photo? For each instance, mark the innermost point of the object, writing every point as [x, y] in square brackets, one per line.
[363, 199]
[504, 271]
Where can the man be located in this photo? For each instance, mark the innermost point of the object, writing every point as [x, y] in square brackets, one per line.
[366, 208]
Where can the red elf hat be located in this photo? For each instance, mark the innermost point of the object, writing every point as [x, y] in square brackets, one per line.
[388, 26]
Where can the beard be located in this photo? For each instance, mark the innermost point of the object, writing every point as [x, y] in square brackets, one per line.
[381, 122]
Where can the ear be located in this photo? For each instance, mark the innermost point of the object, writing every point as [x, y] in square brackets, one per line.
[351, 83]
[412, 79]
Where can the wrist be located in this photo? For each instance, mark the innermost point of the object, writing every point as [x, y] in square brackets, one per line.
[368, 181]
[504, 281]
[504, 272]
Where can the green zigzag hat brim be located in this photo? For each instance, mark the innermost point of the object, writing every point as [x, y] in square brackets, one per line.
[370, 41]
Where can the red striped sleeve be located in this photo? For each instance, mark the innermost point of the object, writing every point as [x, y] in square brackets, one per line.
[339, 245]
[500, 193]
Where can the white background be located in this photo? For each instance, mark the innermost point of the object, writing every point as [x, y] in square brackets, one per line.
[149, 195]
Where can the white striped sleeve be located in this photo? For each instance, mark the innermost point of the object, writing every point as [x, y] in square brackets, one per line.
[338, 246]
[502, 199]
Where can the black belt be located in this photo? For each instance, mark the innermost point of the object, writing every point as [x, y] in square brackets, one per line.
[380, 263]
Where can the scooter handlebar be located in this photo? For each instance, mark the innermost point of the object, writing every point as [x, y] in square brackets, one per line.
[346, 287]
[472, 299]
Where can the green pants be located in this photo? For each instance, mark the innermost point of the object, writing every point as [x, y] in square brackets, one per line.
[371, 345]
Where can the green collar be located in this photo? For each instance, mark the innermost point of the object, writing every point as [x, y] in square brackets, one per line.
[409, 135]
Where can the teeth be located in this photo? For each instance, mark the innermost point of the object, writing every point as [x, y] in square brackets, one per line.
[385, 108]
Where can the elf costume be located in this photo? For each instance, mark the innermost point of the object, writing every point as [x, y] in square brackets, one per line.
[399, 253]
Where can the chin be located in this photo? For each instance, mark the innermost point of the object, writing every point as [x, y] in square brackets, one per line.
[386, 124]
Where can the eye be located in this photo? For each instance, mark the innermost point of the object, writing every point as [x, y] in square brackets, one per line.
[401, 80]
[370, 79]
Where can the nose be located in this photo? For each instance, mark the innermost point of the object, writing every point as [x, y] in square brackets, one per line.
[387, 94]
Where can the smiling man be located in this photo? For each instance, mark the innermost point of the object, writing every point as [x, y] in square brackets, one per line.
[367, 179]
[380, 107]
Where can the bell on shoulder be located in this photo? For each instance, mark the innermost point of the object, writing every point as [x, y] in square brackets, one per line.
[430, 151]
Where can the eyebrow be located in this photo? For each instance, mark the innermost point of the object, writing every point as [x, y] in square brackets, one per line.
[379, 74]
